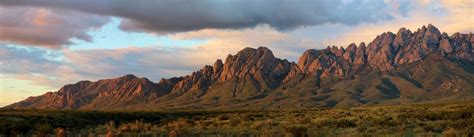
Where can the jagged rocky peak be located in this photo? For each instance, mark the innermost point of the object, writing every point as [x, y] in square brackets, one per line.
[402, 38]
[386, 51]
[313, 60]
[74, 88]
[166, 85]
[389, 50]
[259, 64]
[293, 72]
[198, 80]
[431, 38]
[333, 61]
[129, 76]
[360, 56]
[429, 34]
[336, 50]
[432, 32]
[249, 61]
[307, 58]
[350, 52]
[462, 45]
[381, 51]
[127, 79]
[217, 68]
[445, 44]
[218, 65]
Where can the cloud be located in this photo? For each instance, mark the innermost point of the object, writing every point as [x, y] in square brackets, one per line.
[25, 60]
[165, 16]
[55, 68]
[461, 17]
[222, 42]
[33, 64]
[45, 27]
[153, 62]
[448, 16]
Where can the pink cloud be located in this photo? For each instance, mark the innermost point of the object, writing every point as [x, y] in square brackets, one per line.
[45, 27]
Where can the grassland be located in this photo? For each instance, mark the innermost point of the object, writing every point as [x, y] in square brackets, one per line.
[446, 119]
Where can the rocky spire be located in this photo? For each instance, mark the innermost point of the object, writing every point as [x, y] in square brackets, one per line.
[307, 58]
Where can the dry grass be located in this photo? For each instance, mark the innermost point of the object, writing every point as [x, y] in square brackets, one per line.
[453, 119]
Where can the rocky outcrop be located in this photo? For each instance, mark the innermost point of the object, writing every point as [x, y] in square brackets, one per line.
[461, 45]
[381, 52]
[350, 53]
[386, 52]
[445, 44]
[200, 80]
[361, 55]
[294, 71]
[217, 69]
[255, 62]
[259, 64]
[308, 57]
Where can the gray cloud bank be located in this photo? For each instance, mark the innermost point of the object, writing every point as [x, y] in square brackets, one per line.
[46, 28]
[165, 16]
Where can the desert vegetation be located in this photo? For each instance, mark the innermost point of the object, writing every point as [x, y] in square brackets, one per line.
[447, 119]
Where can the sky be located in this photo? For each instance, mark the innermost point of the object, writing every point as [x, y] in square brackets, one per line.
[45, 44]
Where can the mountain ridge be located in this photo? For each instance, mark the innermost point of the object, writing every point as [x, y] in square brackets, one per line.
[392, 65]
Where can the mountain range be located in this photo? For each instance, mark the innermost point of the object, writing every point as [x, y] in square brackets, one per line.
[420, 66]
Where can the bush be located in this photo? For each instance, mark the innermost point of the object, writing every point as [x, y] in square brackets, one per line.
[14, 126]
[344, 123]
[296, 130]
[43, 129]
[223, 117]
[364, 121]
